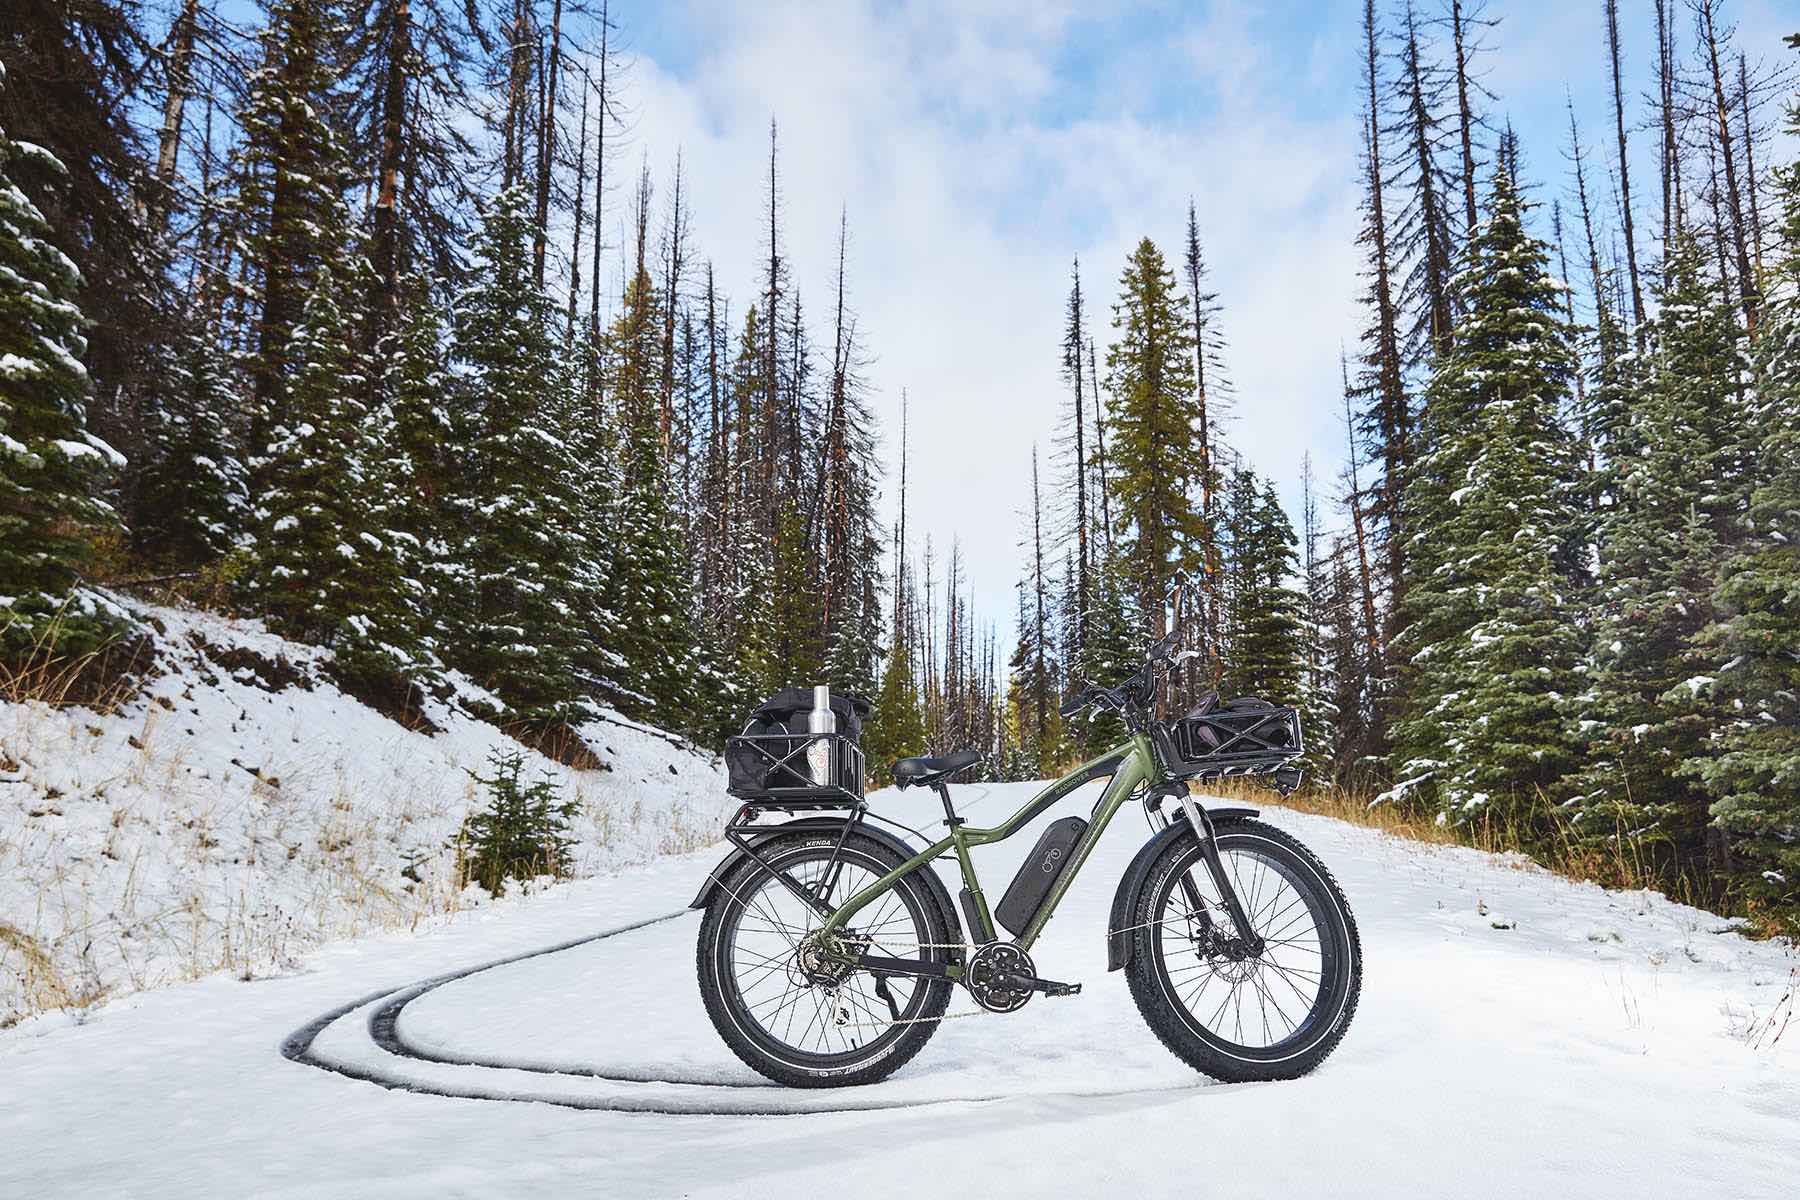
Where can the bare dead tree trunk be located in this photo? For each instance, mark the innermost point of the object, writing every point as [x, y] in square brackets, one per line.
[1562, 263]
[1465, 115]
[1671, 148]
[1040, 700]
[546, 172]
[772, 360]
[1746, 281]
[900, 531]
[1612, 47]
[1371, 626]
[1106, 525]
[674, 269]
[580, 213]
[1395, 417]
[1756, 225]
[605, 101]
[181, 79]
[1212, 571]
[1595, 275]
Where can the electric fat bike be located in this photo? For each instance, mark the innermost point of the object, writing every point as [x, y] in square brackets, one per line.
[830, 947]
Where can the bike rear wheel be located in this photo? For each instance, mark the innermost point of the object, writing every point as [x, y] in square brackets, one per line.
[1272, 1006]
[794, 1017]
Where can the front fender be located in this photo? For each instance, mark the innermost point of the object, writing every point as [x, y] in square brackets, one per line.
[1118, 936]
[933, 882]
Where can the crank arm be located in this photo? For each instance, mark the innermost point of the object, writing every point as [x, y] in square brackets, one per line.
[1031, 983]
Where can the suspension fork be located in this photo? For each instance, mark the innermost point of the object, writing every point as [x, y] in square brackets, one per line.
[1209, 853]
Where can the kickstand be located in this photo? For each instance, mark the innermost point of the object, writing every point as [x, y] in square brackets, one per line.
[881, 989]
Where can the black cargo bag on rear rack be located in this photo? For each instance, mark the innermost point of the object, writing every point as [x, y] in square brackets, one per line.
[774, 760]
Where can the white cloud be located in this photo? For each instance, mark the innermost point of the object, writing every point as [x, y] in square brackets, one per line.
[965, 211]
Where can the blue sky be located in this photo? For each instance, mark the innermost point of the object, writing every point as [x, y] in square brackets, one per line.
[979, 145]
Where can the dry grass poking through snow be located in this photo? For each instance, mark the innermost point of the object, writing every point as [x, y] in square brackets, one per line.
[1621, 865]
[237, 810]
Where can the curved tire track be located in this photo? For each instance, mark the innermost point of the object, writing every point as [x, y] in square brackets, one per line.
[384, 1032]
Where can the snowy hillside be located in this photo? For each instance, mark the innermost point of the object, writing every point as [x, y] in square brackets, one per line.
[242, 810]
[1519, 1035]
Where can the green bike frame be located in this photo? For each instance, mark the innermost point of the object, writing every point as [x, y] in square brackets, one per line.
[1130, 764]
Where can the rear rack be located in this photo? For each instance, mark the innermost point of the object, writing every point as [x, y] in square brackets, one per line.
[770, 770]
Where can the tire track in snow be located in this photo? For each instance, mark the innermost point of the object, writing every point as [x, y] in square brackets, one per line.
[384, 1032]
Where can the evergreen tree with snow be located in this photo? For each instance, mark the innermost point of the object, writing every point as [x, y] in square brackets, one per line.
[650, 588]
[51, 468]
[1268, 646]
[1491, 641]
[327, 565]
[793, 625]
[896, 727]
[1319, 685]
[288, 219]
[192, 493]
[1154, 451]
[1669, 469]
[523, 632]
[1114, 649]
[1751, 763]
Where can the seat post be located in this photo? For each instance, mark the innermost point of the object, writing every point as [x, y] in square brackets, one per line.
[943, 791]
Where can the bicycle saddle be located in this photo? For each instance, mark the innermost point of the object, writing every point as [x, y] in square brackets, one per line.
[909, 772]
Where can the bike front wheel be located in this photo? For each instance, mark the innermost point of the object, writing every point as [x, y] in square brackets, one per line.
[799, 1018]
[1268, 1003]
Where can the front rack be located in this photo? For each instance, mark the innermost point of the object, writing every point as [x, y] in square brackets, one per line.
[1227, 742]
[771, 770]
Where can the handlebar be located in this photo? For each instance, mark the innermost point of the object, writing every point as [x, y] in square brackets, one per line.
[1135, 692]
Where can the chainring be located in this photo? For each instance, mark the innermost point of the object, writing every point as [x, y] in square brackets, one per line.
[991, 964]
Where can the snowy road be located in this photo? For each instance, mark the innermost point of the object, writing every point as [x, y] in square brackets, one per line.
[1592, 1047]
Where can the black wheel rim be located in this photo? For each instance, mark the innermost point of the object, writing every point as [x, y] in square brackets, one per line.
[1257, 1003]
[772, 1000]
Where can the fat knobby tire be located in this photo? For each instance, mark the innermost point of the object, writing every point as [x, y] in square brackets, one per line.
[869, 1064]
[1170, 1021]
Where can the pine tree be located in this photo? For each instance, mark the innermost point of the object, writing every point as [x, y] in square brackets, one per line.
[328, 569]
[427, 413]
[1658, 552]
[78, 77]
[788, 605]
[289, 219]
[51, 467]
[1422, 232]
[1752, 767]
[1491, 641]
[524, 628]
[1319, 687]
[896, 728]
[1266, 630]
[191, 493]
[648, 591]
[1114, 649]
[1155, 452]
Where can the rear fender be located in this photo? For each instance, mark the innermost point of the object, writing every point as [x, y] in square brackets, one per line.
[832, 825]
[1118, 936]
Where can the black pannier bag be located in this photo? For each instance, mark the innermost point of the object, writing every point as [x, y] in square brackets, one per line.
[767, 762]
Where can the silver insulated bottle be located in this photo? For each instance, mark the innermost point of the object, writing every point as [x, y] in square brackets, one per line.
[818, 752]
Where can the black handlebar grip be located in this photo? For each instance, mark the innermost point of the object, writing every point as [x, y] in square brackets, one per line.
[1077, 702]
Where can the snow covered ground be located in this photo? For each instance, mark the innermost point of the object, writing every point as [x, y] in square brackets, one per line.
[1519, 1035]
[242, 810]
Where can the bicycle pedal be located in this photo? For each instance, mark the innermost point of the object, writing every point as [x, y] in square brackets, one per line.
[1047, 986]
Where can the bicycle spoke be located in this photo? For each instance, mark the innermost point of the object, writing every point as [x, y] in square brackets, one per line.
[1247, 1007]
